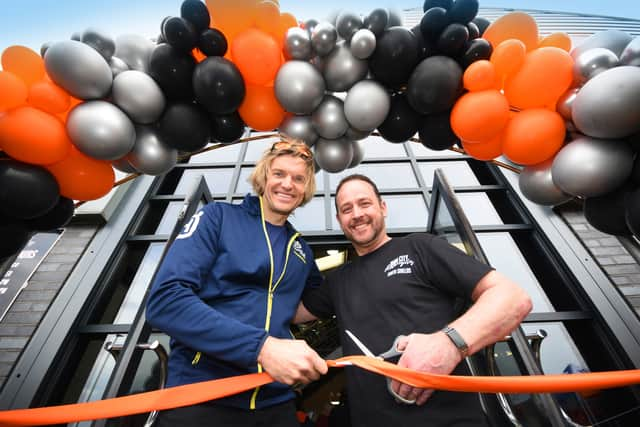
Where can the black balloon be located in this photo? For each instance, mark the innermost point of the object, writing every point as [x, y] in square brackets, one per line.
[196, 12]
[429, 4]
[218, 85]
[185, 127]
[180, 33]
[212, 42]
[474, 31]
[57, 217]
[173, 71]
[402, 121]
[26, 191]
[482, 23]
[425, 46]
[15, 235]
[607, 212]
[433, 22]
[435, 85]
[475, 50]
[227, 127]
[377, 21]
[632, 211]
[463, 11]
[453, 39]
[395, 56]
[435, 131]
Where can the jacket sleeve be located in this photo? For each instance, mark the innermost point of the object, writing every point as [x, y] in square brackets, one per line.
[175, 307]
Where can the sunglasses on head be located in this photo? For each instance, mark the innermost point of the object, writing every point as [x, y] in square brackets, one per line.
[300, 149]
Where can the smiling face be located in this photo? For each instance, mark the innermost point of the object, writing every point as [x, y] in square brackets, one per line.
[284, 188]
[361, 216]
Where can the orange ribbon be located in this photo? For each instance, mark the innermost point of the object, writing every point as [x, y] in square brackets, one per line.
[192, 394]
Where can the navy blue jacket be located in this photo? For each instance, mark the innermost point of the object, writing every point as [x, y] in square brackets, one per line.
[214, 295]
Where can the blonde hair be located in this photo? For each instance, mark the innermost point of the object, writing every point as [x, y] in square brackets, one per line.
[295, 148]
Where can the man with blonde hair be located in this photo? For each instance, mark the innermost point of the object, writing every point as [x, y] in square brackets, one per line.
[228, 289]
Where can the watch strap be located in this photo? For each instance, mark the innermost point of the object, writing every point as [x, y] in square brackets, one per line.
[457, 340]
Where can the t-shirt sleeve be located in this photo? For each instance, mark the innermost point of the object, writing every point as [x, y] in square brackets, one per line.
[318, 299]
[447, 267]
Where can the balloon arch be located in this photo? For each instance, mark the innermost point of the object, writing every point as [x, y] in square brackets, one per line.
[568, 117]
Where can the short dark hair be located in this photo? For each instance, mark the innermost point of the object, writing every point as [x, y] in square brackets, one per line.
[356, 177]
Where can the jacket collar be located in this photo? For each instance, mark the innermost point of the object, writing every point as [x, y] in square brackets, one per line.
[252, 205]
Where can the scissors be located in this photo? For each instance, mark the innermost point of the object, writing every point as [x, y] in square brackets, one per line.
[392, 352]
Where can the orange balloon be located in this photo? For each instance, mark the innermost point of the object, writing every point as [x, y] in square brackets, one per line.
[479, 116]
[81, 177]
[287, 21]
[232, 17]
[486, 150]
[72, 103]
[260, 109]
[268, 16]
[560, 40]
[480, 75]
[257, 56]
[33, 136]
[49, 97]
[507, 58]
[544, 77]
[198, 55]
[13, 91]
[533, 136]
[24, 63]
[515, 25]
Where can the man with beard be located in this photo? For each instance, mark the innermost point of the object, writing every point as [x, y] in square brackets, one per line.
[408, 287]
[227, 291]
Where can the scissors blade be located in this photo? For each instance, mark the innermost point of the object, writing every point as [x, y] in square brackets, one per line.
[359, 343]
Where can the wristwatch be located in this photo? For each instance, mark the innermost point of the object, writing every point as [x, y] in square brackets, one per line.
[457, 340]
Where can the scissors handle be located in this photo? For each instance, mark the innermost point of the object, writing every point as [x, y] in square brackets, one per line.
[393, 351]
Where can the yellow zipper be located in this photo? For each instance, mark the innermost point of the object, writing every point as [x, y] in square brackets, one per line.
[196, 358]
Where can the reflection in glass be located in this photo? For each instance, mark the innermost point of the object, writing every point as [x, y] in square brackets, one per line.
[376, 147]
[309, 217]
[458, 174]
[479, 209]
[227, 153]
[443, 219]
[169, 218]
[218, 180]
[386, 176]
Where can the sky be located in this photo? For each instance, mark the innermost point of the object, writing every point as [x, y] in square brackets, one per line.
[34, 22]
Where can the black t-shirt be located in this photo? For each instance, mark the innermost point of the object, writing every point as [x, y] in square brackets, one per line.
[407, 285]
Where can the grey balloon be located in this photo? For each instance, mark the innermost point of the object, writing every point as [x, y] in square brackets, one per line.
[536, 184]
[607, 105]
[377, 21]
[138, 95]
[44, 47]
[77, 36]
[347, 24]
[309, 25]
[328, 119]
[101, 42]
[134, 50]
[78, 69]
[591, 63]
[342, 69]
[631, 53]
[150, 155]
[323, 38]
[117, 66]
[299, 87]
[367, 105]
[123, 165]
[101, 130]
[614, 40]
[358, 153]
[395, 18]
[299, 127]
[363, 43]
[297, 44]
[589, 167]
[565, 103]
[353, 134]
[333, 155]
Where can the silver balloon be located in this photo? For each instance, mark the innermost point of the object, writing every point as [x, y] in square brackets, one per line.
[43, 48]
[77, 36]
[614, 40]
[309, 25]
[323, 38]
[565, 103]
[353, 134]
[358, 153]
[377, 21]
[347, 24]
[589, 167]
[117, 65]
[607, 105]
[328, 119]
[363, 43]
[342, 70]
[297, 44]
[102, 43]
[318, 62]
[150, 155]
[138, 95]
[101, 130]
[78, 69]
[123, 165]
[591, 63]
[299, 87]
[333, 155]
[395, 18]
[135, 51]
[299, 127]
[367, 105]
[536, 184]
[631, 53]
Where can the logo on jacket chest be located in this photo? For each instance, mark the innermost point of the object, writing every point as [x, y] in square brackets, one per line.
[400, 265]
[297, 249]
[191, 226]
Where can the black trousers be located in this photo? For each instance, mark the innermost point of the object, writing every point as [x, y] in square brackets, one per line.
[212, 415]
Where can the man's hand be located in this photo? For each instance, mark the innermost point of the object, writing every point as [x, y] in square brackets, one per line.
[432, 353]
[291, 361]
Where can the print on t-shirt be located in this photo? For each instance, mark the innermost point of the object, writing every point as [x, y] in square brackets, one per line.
[399, 265]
